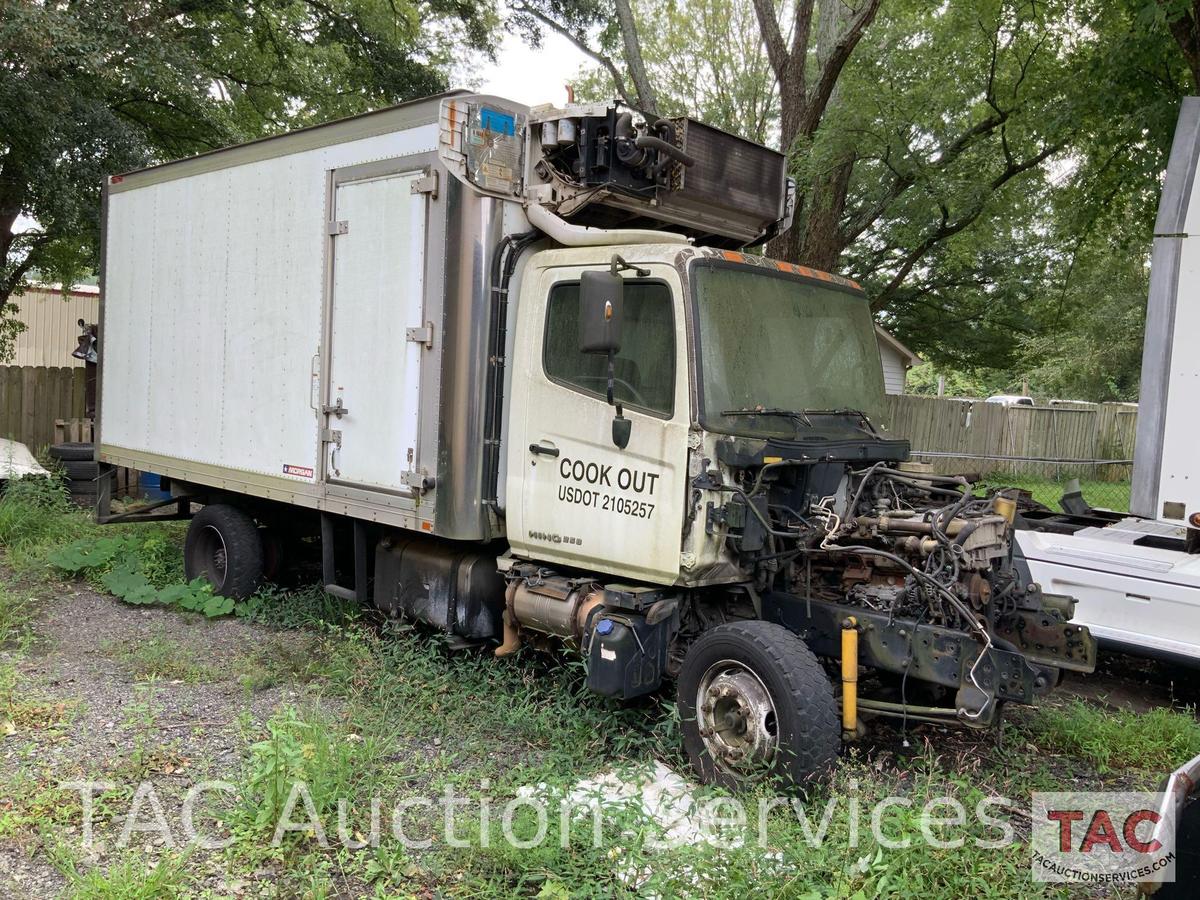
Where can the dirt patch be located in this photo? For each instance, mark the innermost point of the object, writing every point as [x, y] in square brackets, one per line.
[90, 703]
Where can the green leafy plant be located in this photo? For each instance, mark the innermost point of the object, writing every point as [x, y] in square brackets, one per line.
[85, 555]
[131, 569]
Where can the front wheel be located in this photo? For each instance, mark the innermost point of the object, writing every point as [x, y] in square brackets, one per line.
[755, 704]
[223, 546]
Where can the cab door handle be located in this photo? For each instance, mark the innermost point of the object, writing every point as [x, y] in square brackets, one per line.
[543, 450]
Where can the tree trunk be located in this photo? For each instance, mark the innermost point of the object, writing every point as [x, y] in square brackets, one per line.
[646, 99]
[815, 238]
[823, 243]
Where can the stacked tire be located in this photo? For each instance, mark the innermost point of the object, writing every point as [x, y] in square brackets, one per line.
[77, 459]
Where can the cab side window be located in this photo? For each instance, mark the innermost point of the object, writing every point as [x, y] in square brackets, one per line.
[644, 370]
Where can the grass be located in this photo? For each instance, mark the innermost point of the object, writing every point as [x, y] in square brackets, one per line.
[162, 657]
[279, 661]
[35, 516]
[395, 714]
[129, 879]
[16, 611]
[1048, 491]
[1155, 741]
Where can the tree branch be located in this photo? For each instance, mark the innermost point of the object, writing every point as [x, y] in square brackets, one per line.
[776, 49]
[834, 64]
[947, 228]
[647, 100]
[582, 46]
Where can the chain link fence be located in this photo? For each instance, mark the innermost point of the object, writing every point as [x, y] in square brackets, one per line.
[1105, 483]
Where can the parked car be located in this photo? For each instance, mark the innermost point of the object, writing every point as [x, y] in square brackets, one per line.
[1011, 399]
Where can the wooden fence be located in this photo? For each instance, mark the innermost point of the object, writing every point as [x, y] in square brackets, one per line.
[33, 397]
[991, 436]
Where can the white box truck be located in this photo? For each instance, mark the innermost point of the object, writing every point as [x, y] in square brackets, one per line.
[1137, 577]
[513, 368]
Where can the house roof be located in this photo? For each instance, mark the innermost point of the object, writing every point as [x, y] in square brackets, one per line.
[910, 359]
[76, 290]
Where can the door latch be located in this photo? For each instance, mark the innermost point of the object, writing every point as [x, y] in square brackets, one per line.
[336, 410]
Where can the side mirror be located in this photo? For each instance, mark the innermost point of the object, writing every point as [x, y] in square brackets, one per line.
[622, 428]
[601, 312]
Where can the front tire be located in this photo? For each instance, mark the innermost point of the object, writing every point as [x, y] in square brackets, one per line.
[755, 705]
[223, 546]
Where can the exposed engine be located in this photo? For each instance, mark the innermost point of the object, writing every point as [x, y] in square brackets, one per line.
[923, 564]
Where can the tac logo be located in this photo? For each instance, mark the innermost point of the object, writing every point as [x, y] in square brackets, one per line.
[1100, 838]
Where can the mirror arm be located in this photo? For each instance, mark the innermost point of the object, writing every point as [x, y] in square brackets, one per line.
[612, 378]
[618, 264]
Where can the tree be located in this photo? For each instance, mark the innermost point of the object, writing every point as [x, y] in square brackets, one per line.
[706, 60]
[574, 20]
[1182, 18]
[1092, 350]
[93, 87]
[807, 72]
[968, 158]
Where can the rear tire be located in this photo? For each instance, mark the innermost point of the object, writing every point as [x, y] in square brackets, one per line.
[223, 546]
[275, 554]
[755, 705]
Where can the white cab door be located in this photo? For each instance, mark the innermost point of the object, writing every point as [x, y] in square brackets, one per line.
[377, 293]
[574, 497]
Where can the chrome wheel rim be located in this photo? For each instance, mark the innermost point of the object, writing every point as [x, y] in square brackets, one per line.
[737, 718]
[214, 559]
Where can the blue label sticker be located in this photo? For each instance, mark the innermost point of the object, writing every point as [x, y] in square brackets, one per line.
[494, 120]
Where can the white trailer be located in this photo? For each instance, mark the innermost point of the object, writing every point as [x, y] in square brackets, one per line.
[1137, 578]
[514, 370]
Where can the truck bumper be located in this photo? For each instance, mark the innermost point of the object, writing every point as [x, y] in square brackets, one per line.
[932, 653]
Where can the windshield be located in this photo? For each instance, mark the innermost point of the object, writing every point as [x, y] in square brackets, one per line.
[783, 345]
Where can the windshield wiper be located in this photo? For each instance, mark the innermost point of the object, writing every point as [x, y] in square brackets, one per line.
[801, 416]
[867, 426]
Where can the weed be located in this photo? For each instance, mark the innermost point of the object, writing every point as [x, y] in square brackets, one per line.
[280, 661]
[140, 718]
[307, 607]
[160, 656]
[306, 748]
[130, 879]
[35, 511]
[1154, 742]
[16, 611]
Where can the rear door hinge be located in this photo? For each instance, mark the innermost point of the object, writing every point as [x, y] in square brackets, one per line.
[422, 335]
[427, 184]
[342, 226]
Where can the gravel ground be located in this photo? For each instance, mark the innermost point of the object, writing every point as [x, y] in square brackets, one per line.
[92, 712]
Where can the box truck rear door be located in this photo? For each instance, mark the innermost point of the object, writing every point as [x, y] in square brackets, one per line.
[373, 391]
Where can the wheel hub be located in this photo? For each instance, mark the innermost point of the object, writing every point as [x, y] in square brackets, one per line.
[737, 718]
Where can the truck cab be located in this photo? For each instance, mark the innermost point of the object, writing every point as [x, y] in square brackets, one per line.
[714, 345]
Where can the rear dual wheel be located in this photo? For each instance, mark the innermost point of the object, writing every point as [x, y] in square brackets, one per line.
[223, 546]
[756, 705]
